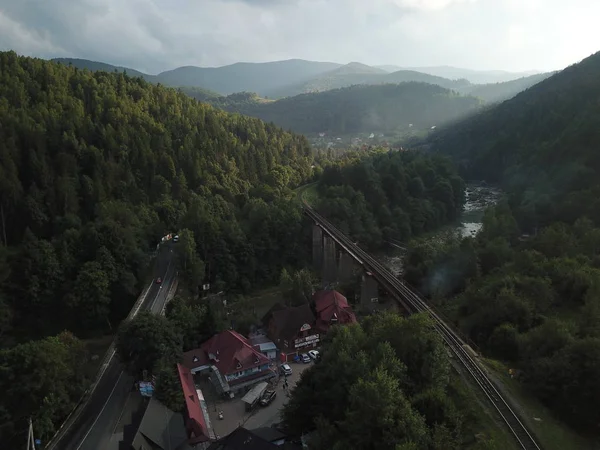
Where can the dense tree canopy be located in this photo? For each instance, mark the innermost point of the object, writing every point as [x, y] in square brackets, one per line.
[532, 302]
[385, 195]
[40, 377]
[526, 289]
[383, 384]
[94, 169]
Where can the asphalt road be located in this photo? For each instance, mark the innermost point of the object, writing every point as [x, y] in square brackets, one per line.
[94, 427]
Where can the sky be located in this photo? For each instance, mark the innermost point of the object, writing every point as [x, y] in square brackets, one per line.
[157, 35]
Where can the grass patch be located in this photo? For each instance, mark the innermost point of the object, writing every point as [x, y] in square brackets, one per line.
[308, 193]
[551, 433]
[481, 429]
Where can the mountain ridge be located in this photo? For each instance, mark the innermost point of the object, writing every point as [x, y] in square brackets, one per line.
[264, 77]
[357, 109]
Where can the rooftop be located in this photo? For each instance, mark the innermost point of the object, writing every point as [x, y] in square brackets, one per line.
[196, 426]
[242, 439]
[160, 428]
[231, 352]
[332, 307]
[269, 434]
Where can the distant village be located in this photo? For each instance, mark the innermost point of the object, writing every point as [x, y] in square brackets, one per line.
[358, 141]
[364, 141]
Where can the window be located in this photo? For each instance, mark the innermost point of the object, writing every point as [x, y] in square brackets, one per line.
[196, 359]
[238, 365]
[256, 360]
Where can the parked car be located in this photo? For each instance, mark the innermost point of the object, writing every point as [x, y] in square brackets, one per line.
[268, 397]
[314, 354]
[158, 280]
[304, 358]
[285, 369]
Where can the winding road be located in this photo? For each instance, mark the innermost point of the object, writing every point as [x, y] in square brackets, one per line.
[93, 427]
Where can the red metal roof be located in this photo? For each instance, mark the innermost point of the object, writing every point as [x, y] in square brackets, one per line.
[196, 424]
[231, 351]
[332, 305]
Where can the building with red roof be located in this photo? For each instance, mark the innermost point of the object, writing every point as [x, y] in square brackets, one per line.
[232, 362]
[332, 308]
[196, 423]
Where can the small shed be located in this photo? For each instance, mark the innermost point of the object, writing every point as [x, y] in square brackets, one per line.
[264, 345]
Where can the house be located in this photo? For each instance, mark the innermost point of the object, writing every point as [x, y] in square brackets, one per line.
[242, 439]
[332, 308]
[270, 434]
[195, 412]
[160, 429]
[292, 329]
[264, 345]
[233, 363]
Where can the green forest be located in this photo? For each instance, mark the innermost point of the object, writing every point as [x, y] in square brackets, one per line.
[384, 195]
[386, 383]
[94, 169]
[526, 289]
[355, 109]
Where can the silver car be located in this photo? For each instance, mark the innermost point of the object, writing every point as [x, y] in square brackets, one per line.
[286, 369]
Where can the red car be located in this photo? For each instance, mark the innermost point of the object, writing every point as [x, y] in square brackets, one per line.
[158, 280]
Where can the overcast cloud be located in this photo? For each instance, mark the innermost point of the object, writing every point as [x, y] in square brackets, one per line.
[156, 35]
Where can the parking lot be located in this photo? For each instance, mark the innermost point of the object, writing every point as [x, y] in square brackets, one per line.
[235, 414]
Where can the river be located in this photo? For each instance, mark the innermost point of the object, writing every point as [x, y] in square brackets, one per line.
[478, 198]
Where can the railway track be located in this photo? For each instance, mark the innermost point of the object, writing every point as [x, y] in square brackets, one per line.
[416, 304]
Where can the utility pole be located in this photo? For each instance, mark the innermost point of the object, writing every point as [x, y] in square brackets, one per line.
[30, 437]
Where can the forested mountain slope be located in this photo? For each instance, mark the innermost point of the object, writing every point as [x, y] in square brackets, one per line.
[543, 142]
[359, 108]
[526, 288]
[94, 169]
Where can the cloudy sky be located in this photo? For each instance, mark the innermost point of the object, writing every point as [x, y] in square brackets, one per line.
[156, 35]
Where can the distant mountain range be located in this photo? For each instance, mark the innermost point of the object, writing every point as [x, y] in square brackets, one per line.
[474, 76]
[354, 73]
[495, 92]
[291, 77]
[384, 108]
